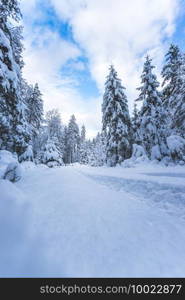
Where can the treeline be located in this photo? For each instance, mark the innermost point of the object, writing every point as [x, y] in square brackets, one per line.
[157, 129]
[159, 126]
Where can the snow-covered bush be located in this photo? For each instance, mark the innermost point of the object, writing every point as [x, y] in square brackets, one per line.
[155, 153]
[176, 145]
[51, 155]
[6, 158]
[27, 155]
[137, 151]
[138, 156]
[13, 172]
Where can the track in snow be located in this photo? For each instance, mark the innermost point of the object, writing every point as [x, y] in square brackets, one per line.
[90, 229]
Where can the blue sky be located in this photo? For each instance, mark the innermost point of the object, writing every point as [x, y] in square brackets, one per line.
[70, 44]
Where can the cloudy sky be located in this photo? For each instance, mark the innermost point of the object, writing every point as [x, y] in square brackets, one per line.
[69, 45]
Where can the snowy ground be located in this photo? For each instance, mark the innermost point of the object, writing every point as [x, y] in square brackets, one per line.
[91, 222]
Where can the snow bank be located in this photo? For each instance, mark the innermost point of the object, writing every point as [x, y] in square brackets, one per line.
[13, 224]
[21, 251]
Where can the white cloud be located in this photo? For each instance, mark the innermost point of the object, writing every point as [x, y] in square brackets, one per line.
[119, 32]
[109, 31]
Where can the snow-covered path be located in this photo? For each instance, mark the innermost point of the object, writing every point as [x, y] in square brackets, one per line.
[92, 226]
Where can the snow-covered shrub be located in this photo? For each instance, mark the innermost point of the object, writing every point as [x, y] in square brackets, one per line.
[137, 151]
[155, 153]
[13, 172]
[6, 158]
[176, 145]
[27, 155]
[138, 156]
[51, 155]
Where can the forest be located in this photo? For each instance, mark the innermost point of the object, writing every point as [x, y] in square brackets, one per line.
[155, 131]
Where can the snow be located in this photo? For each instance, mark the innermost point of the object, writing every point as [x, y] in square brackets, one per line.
[96, 222]
[21, 252]
[6, 158]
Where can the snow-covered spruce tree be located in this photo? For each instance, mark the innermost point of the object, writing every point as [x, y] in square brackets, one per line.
[178, 120]
[97, 157]
[172, 82]
[34, 109]
[55, 129]
[83, 153]
[13, 125]
[152, 125]
[51, 155]
[73, 142]
[83, 134]
[135, 125]
[27, 155]
[116, 121]
[178, 124]
[65, 144]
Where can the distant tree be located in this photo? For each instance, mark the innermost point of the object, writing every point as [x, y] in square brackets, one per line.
[55, 128]
[97, 156]
[51, 155]
[135, 125]
[73, 143]
[35, 109]
[83, 149]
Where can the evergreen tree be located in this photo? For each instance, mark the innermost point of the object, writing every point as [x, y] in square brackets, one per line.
[172, 83]
[83, 153]
[178, 124]
[83, 134]
[135, 125]
[51, 155]
[73, 143]
[13, 126]
[65, 143]
[152, 117]
[34, 109]
[10, 8]
[27, 155]
[55, 128]
[116, 120]
[98, 155]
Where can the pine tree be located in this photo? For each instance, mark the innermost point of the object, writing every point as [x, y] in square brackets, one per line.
[55, 128]
[172, 83]
[83, 134]
[178, 124]
[73, 143]
[152, 117]
[98, 155]
[135, 125]
[83, 153]
[116, 120]
[27, 155]
[51, 155]
[34, 109]
[65, 143]
[10, 8]
[13, 125]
